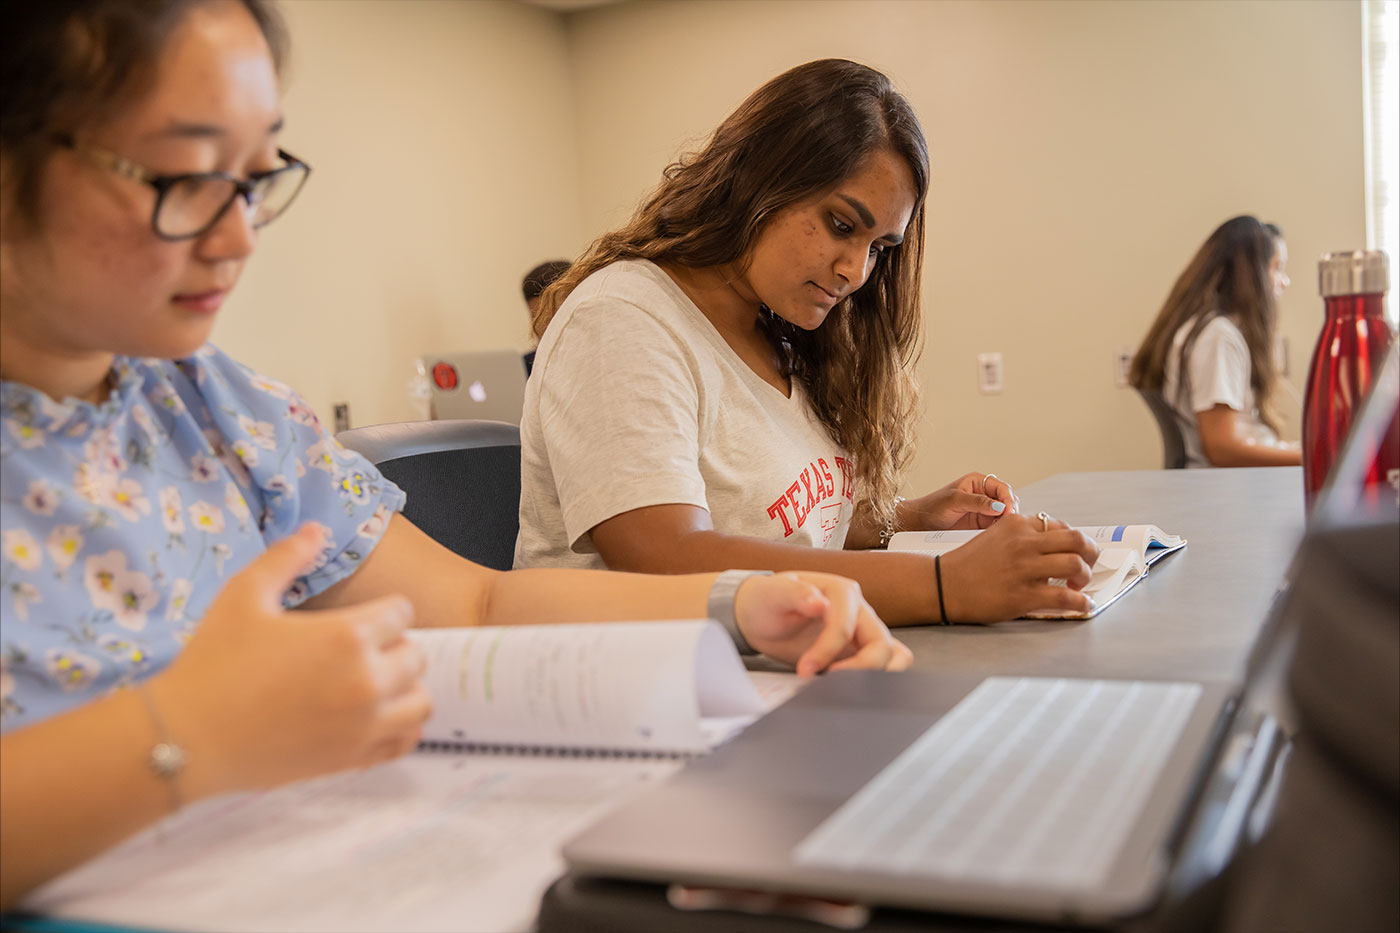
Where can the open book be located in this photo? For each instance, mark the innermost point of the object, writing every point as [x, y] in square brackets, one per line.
[655, 688]
[463, 835]
[1127, 551]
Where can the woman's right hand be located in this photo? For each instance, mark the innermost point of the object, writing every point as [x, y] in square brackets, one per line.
[1005, 571]
[816, 622]
[262, 696]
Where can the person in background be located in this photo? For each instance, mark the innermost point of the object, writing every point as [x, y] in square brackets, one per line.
[533, 285]
[162, 508]
[1210, 352]
[725, 381]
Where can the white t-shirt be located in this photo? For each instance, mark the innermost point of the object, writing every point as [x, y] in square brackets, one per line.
[1218, 371]
[636, 400]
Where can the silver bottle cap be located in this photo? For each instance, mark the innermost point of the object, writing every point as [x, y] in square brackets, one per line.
[1359, 272]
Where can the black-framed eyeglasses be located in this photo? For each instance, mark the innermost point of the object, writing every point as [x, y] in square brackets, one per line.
[187, 206]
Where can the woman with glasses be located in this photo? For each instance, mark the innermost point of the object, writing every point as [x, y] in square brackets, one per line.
[1210, 351]
[160, 505]
[725, 381]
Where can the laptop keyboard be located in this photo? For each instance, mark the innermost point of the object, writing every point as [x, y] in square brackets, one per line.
[1027, 782]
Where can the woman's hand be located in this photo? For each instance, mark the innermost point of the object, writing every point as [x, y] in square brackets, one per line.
[974, 500]
[816, 621]
[262, 696]
[1005, 572]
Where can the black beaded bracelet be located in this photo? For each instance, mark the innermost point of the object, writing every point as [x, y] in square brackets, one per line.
[938, 576]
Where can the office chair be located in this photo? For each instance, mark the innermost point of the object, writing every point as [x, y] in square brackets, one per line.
[462, 479]
[1173, 446]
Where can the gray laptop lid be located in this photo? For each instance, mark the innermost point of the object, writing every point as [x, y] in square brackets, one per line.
[487, 385]
[736, 817]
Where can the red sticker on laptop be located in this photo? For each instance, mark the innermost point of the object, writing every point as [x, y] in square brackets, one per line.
[445, 375]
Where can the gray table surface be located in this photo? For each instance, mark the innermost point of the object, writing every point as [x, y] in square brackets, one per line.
[1197, 614]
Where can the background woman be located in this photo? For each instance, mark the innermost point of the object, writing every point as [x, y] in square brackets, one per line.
[725, 380]
[161, 506]
[1210, 350]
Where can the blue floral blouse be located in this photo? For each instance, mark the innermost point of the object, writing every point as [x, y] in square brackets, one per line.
[120, 523]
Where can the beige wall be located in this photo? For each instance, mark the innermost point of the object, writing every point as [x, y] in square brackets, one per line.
[1081, 152]
[441, 137]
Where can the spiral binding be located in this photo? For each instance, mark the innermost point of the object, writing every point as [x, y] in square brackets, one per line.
[550, 751]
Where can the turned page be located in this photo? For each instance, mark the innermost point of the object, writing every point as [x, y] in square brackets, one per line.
[1148, 540]
[644, 687]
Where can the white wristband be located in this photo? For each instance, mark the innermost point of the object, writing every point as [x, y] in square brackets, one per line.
[720, 605]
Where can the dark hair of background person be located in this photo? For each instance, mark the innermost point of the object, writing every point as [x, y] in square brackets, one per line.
[1229, 275]
[801, 134]
[542, 276]
[65, 63]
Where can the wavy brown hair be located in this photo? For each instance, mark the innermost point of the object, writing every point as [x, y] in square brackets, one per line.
[1228, 276]
[801, 134]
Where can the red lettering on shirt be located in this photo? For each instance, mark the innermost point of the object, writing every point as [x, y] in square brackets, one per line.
[776, 510]
[797, 508]
[847, 472]
[810, 494]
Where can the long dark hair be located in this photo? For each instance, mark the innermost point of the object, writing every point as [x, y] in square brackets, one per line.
[801, 133]
[1229, 275]
[64, 63]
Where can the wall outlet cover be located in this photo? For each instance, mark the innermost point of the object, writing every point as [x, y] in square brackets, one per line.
[990, 375]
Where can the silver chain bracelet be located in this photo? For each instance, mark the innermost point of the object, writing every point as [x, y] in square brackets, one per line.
[888, 531]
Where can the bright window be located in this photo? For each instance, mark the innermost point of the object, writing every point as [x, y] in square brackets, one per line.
[1380, 20]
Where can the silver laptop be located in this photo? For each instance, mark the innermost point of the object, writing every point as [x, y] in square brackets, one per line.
[1063, 800]
[487, 385]
[1016, 797]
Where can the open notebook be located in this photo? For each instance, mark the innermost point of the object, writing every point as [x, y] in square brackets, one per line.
[1126, 553]
[539, 730]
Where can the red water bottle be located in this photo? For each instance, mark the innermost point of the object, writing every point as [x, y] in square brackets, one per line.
[1349, 353]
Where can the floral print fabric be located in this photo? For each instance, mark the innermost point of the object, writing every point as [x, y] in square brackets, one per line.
[120, 523]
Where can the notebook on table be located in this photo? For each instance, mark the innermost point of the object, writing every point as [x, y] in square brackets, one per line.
[487, 385]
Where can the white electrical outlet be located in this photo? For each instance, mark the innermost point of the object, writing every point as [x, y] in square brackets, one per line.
[342, 416]
[989, 373]
[1122, 366]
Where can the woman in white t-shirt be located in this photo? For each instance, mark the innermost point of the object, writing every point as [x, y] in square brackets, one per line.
[725, 381]
[1210, 351]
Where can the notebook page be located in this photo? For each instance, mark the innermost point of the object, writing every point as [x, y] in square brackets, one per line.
[1148, 540]
[434, 841]
[612, 686]
[1113, 574]
[931, 542]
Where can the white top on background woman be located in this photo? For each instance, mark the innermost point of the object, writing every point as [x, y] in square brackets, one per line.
[1210, 350]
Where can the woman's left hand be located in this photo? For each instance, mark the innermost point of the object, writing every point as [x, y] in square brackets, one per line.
[816, 622]
[973, 500]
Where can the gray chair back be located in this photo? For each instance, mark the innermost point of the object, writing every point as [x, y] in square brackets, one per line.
[1173, 445]
[462, 479]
